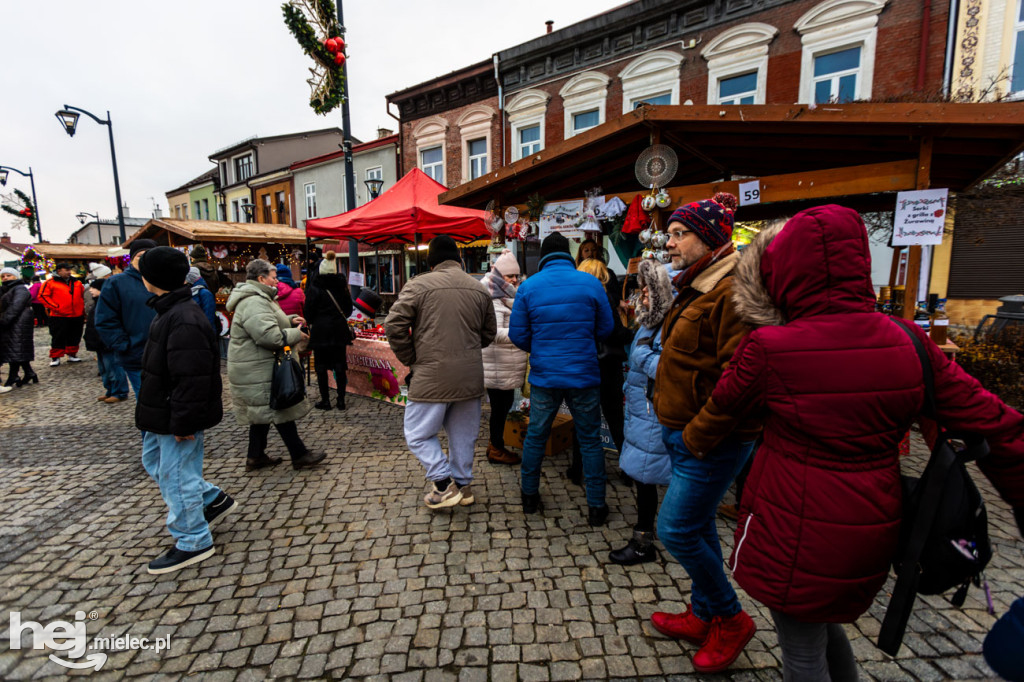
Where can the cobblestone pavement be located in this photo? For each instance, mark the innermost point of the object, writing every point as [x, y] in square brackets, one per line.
[340, 572]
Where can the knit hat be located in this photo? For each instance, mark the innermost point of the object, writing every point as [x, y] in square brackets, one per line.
[368, 302]
[97, 284]
[442, 248]
[283, 271]
[62, 266]
[554, 243]
[193, 275]
[199, 253]
[710, 219]
[98, 270]
[506, 264]
[10, 271]
[141, 245]
[164, 267]
[329, 265]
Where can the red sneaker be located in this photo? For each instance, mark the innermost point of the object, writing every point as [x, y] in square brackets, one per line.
[684, 625]
[726, 641]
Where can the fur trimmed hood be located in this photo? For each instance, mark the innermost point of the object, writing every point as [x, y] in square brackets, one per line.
[819, 263]
[653, 275]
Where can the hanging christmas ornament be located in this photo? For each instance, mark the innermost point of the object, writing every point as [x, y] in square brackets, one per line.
[314, 24]
[647, 203]
[662, 199]
[220, 251]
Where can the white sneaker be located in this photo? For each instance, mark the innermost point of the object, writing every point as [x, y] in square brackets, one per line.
[74, 358]
[467, 496]
[440, 499]
[55, 362]
[6, 389]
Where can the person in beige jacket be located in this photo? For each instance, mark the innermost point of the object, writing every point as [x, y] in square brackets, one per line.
[437, 327]
[504, 364]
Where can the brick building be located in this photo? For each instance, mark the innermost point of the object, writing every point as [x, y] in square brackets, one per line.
[460, 126]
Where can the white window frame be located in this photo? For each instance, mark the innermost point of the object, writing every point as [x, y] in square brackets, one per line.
[834, 77]
[836, 25]
[236, 212]
[375, 173]
[653, 74]
[477, 162]
[1016, 59]
[738, 51]
[475, 123]
[582, 93]
[525, 110]
[424, 167]
[309, 192]
[430, 133]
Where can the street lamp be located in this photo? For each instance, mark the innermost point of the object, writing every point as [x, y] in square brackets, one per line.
[374, 185]
[247, 209]
[95, 216]
[35, 208]
[68, 117]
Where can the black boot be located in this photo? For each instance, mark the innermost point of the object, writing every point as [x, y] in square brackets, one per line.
[640, 550]
[324, 404]
[598, 516]
[531, 503]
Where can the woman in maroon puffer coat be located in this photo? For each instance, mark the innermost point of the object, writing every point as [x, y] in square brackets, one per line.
[839, 385]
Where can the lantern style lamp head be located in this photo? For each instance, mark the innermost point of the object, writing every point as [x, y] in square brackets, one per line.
[3, 178]
[68, 119]
[374, 185]
[247, 210]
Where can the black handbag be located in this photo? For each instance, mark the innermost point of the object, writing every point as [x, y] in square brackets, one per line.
[944, 532]
[287, 387]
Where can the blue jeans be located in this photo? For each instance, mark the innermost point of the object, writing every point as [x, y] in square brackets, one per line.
[114, 380]
[178, 469]
[135, 379]
[585, 407]
[686, 521]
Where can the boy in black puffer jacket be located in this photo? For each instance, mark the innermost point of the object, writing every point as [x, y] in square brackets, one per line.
[179, 398]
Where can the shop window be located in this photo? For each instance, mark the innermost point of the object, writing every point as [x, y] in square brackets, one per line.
[838, 58]
[651, 79]
[432, 163]
[583, 99]
[310, 188]
[738, 89]
[1017, 65]
[738, 64]
[526, 112]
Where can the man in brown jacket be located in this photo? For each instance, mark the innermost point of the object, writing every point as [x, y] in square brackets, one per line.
[438, 326]
[699, 336]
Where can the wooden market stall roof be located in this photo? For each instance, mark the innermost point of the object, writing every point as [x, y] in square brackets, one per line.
[193, 231]
[798, 152]
[74, 252]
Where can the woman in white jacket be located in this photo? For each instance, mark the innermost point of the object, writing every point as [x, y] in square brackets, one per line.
[504, 364]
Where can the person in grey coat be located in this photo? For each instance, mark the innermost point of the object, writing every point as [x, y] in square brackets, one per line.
[17, 346]
[437, 327]
[259, 330]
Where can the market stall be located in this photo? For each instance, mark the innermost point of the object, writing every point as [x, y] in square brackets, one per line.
[393, 226]
[43, 257]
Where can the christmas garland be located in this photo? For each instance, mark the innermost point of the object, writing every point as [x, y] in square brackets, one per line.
[315, 27]
[26, 212]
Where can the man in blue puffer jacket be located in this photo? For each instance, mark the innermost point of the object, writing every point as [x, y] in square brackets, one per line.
[558, 317]
[122, 316]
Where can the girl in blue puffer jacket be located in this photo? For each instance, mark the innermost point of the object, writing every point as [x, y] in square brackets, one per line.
[644, 457]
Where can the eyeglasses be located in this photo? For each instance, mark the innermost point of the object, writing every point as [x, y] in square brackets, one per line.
[679, 234]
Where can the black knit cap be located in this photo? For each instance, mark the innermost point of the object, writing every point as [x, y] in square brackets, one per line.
[140, 245]
[442, 248]
[97, 284]
[554, 243]
[164, 267]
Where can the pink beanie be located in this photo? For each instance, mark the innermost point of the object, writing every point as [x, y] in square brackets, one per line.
[506, 264]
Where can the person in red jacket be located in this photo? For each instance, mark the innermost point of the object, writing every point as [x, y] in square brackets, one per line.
[64, 299]
[839, 385]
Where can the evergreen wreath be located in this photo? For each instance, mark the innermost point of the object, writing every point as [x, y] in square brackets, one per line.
[24, 210]
[315, 26]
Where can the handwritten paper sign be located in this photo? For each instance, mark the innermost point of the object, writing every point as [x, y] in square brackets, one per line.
[750, 192]
[356, 279]
[920, 217]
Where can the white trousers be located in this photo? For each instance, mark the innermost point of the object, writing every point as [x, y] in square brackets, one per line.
[460, 421]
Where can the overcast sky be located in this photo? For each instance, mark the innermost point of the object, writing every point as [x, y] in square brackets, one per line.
[182, 79]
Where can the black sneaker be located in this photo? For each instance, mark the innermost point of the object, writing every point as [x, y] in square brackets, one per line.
[323, 405]
[638, 551]
[219, 508]
[598, 516]
[531, 503]
[176, 559]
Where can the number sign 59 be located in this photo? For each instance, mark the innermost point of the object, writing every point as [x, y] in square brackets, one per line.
[750, 192]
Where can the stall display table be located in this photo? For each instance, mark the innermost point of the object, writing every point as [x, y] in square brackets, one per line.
[375, 372]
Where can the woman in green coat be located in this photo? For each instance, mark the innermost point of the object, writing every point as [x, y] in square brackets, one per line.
[259, 330]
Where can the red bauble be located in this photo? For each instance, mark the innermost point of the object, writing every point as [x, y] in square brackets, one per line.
[339, 59]
[331, 45]
[340, 42]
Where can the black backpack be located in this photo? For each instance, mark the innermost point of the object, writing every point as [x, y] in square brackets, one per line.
[944, 532]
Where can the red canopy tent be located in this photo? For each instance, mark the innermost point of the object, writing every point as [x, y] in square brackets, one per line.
[403, 213]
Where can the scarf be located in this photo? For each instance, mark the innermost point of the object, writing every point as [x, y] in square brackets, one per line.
[686, 277]
[497, 287]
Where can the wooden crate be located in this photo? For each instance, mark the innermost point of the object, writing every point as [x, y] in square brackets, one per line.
[560, 438]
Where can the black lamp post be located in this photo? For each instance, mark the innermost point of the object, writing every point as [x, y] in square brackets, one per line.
[247, 210]
[374, 185]
[68, 117]
[31, 178]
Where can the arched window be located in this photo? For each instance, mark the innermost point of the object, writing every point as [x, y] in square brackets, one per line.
[429, 138]
[526, 111]
[652, 78]
[475, 131]
[583, 98]
[738, 64]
